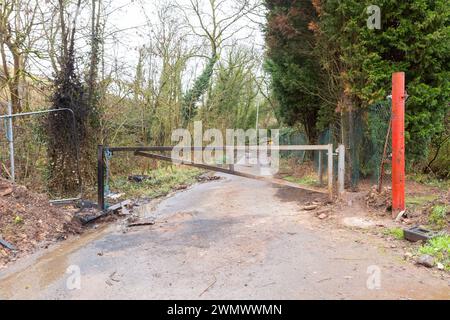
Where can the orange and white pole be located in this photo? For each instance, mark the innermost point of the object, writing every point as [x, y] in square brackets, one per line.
[398, 143]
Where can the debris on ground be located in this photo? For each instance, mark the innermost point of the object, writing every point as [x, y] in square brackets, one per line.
[115, 196]
[207, 177]
[379, 200]
[310, 207]
[181, 187]
[426, 260]
[417, 234]
[122, 208]
[28, 219]
[323, 216]
[7, 245]
[5, 192]
[141, 223]
[127, 204]
[138, 178]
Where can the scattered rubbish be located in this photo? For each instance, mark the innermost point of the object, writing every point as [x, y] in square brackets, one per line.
[138, 178]
[90, 218]
[7, 244]
[323, 216]
[125, 211]
[142, 223]
[86, 204]
[181, 187]
[118, 206]
[323, 211]
[207, 177]
[426, 260]
[379, 200]
[66, 202]
[122, 206]
[115, 196]
[440, 266]
[417, 234]
[6, 192]
[402, 214]
[310, 207]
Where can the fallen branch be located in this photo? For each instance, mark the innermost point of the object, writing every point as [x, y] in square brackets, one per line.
[209, 287]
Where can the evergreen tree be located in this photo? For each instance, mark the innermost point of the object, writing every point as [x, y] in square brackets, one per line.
[358, 61]
[291, 61]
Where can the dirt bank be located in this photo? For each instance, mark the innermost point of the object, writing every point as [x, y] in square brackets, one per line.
[28, 221]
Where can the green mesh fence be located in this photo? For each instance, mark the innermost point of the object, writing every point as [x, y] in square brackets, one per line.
[369, 141]
[311, 165]
[289, 136]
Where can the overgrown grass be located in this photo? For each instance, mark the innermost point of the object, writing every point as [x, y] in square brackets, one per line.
[306, 180]
[397, 233]
[160, 182]
[439, 248]
[438, 217]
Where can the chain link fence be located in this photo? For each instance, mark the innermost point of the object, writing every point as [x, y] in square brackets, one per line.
[305, 167]
[370, 144]
[366, 133]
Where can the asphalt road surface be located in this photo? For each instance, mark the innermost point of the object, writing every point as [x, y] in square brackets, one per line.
[233, 238]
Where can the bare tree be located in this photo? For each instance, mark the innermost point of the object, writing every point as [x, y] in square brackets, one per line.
[215, 21]
[17, 19]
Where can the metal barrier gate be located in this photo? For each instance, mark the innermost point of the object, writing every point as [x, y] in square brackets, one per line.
[147, 152]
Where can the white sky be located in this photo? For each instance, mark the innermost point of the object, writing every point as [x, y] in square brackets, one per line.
[132, 23]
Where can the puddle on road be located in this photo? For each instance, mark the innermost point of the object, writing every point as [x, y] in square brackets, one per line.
[47, 268]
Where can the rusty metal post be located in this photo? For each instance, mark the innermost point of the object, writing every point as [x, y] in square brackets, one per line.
[101, 177]
[398, 143]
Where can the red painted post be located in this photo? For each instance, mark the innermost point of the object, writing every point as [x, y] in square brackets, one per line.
[398, 143]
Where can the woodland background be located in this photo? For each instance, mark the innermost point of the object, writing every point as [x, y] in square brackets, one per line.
[132, 71]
